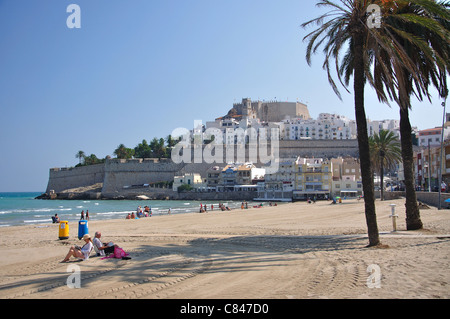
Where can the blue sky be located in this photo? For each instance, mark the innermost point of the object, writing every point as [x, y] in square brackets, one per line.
[138, 69]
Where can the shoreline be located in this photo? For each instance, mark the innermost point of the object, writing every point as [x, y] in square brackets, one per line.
[28, 211]
[291, 251]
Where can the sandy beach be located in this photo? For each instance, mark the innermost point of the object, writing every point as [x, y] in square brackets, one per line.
[292, 251]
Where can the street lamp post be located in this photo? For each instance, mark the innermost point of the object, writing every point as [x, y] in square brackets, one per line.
[429, 167]
[440, 160]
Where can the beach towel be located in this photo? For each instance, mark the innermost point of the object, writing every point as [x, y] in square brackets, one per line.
[119, 253]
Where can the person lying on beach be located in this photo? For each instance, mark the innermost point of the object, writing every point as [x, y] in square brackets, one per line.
[83, 252]
[102, 249]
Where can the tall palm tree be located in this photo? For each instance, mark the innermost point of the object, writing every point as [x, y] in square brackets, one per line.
[386, 153]
[412, 53]
[344, 27]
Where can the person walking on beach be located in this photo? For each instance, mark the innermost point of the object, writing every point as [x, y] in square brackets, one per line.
[82, 214]
[87, 214]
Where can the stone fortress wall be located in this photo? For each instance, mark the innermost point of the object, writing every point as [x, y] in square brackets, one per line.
[118, 176]
[61, 179]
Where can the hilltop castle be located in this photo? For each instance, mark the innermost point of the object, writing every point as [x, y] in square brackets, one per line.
[271, 111]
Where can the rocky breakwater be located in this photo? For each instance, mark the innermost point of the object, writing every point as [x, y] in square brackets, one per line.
[80, 193]
[95, 192]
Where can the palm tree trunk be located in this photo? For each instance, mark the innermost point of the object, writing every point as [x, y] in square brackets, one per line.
[382, 179]
[363, 141]
[413, 221]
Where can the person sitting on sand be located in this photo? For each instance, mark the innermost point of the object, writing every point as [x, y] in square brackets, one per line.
[133, 216]
[128, 216]
[83, 252]
[55, 219]
[102, 249]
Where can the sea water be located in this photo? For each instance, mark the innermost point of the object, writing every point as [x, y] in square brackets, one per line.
[24, 209]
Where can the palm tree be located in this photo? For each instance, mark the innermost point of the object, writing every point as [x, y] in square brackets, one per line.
[80, 155]
[386, 153]
[344, 27]
[123, 152]
[413, 54]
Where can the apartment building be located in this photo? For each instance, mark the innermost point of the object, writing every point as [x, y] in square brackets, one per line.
[234, 176]
[316, 177]
[285, 178]
[326, 127]
[313, 178]
[433, 136]
[426, 163]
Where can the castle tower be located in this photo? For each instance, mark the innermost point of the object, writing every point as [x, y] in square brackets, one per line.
[247, 107]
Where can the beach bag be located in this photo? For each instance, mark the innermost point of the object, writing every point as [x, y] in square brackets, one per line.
[119, 253]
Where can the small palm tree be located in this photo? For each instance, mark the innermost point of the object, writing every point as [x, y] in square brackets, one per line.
[123, 152]
[80, 155]
[386, 153]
